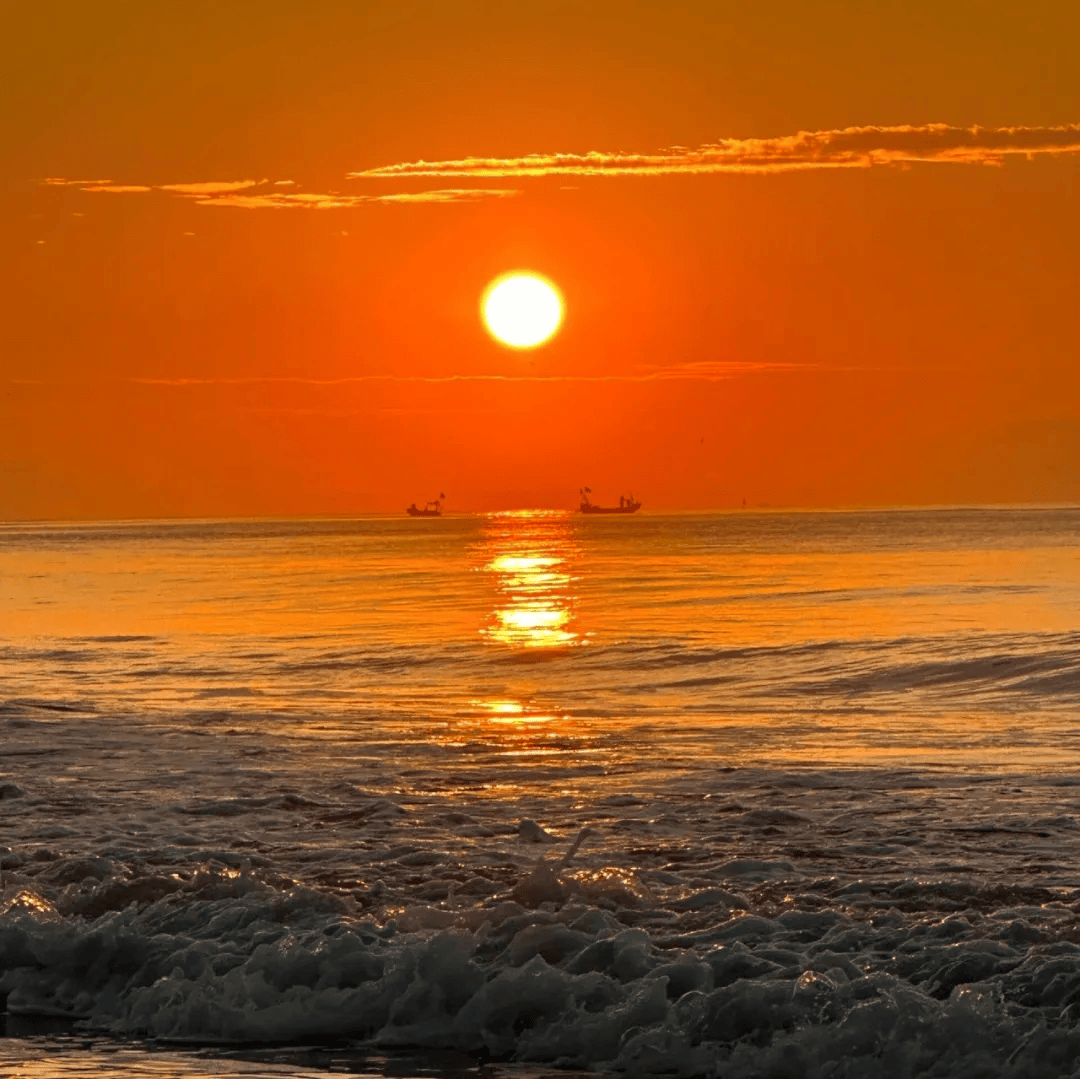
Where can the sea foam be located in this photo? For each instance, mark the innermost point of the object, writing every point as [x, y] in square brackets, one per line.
[774, 975]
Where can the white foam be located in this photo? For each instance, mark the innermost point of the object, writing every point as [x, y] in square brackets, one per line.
[228, 957]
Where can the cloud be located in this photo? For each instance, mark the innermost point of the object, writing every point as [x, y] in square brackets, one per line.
[850, 147]
[695, 372]
[699, 372]
[212, 187]
[449, 194]
[278, 200]
[335, 200]
[706, 371]
[59, 181]
[841, 148]
[119, 189]
[267, 194]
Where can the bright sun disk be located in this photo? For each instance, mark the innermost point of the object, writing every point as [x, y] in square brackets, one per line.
[521, 310]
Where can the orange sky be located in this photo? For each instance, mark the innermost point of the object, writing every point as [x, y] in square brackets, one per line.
[873, 316]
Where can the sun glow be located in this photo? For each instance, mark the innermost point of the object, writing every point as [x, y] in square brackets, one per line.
[521, 310]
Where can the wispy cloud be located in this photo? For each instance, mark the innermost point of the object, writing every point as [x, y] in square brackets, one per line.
[335, 200]
[840, 148]
[448, 194]
[707, 371]
[850, 147]
[117, 189]
[211, 187]
[704, 371]
[60, 181]
[267, 194]
[271, 200]
[694, 372]
[204, 189]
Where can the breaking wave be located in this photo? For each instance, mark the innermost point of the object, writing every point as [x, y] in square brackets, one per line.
[771, 975]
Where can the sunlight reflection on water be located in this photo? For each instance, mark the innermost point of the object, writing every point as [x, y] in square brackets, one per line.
[41, 1060]
[938, 636]
[529, 554]
[75, 1057]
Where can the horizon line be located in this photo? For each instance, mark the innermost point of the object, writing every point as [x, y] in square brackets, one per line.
[761, 508]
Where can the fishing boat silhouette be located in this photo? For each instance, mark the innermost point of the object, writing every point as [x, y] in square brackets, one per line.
[626, 505]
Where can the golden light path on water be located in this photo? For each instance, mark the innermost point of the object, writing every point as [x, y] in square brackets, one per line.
[528, 553]
[69, 1056]
[528, 556]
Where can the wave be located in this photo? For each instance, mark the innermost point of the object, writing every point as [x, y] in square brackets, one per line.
[666, 677]
[916, 977]
[1042, 669]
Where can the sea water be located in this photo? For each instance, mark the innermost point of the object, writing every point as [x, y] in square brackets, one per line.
[747, 794]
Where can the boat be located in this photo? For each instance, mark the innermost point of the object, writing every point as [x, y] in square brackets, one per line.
[626, 505]
[431, 509]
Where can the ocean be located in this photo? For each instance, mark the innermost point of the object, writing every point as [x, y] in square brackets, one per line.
[739, 794]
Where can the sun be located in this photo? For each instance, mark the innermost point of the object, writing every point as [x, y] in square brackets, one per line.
[521, 310]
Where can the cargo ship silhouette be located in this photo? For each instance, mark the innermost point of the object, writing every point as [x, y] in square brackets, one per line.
[431, 509]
